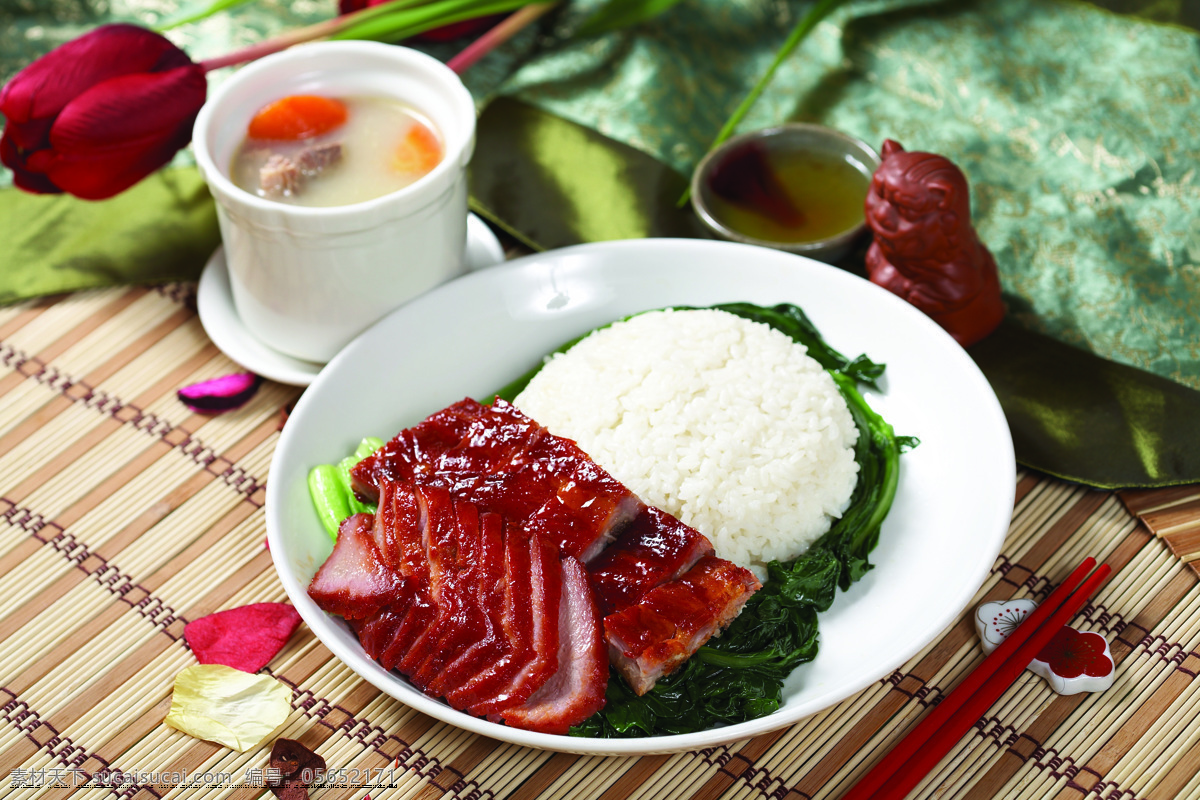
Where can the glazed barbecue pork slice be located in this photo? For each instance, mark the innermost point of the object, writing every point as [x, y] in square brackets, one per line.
[546, 587]
[465, 688]
[505, 462]
[655, 636]
[354, 582]
[654, 549]
[377, 632]
[415, 450]
[397, 529]
[437, 509]
[461, 620]
[576, 690]
[493, 644]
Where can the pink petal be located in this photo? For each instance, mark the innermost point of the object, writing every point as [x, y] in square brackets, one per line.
[220, 394]
[244, 638]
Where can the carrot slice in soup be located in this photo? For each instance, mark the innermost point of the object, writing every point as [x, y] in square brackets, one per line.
[419, 152]
[299, 116]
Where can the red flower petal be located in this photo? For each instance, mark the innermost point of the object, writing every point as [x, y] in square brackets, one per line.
[1071, 654]
[30, 135]
[47, 85]
[220, 394]
[244, 638]
[24, 178]
[118, 132]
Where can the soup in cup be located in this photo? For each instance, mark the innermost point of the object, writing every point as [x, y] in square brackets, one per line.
[325, 232]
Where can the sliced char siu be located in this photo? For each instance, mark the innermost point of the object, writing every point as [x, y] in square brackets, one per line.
[576, 690]
[397, 529]
[545, 594]
[653, 637]
[470, 579]
[491, 587]
[417, 632]
[654, 549]
[505, 462]
[414, 451]
[354, 581]
[461, 620]
[465, 689]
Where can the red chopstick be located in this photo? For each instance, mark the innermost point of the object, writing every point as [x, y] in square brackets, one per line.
[916, 754]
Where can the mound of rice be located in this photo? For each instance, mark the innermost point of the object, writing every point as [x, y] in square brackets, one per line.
[723, 422]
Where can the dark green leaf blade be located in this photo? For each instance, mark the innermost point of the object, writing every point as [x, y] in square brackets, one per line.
[622, 14]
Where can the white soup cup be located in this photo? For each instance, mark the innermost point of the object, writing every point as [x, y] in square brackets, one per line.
[308, 280]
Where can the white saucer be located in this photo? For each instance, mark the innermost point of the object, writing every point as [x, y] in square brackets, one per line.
[214, 300]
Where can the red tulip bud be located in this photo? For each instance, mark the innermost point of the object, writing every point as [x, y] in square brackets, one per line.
[101, 112]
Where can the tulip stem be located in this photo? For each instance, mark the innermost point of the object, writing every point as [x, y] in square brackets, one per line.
[498, 35]
[308, 33]
[255, 51]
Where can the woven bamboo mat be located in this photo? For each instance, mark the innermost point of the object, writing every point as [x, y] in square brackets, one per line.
[125, 516]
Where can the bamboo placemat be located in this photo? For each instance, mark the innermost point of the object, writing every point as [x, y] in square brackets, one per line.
[125, 515]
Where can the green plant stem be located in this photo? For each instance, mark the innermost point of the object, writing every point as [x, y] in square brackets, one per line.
[409, 22]
[394, 20]
[798, 34]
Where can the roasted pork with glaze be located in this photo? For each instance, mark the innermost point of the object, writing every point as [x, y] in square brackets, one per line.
[576, 690]
[504, 462]
[654, 549]
[354, 582]
[490, 616]
[470, 579]
[662, 630]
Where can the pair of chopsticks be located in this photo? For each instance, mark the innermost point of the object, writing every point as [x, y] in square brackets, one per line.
[919, 752]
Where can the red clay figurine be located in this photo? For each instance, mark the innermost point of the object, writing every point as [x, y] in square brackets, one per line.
[925, 248]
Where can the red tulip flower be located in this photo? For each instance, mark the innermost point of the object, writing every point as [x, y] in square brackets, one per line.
[98, 114]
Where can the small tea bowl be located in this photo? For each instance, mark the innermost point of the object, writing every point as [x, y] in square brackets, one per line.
[793, 138]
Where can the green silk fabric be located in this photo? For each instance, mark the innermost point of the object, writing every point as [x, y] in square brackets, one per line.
[1075, 125]
[163, 229]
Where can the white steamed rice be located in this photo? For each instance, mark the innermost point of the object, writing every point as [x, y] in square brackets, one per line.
[726, 423]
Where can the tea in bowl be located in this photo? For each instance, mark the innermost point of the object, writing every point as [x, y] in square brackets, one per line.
[796, 187]
[339, 171]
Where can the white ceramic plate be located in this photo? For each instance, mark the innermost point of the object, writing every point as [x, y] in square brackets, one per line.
[219, 316]
[477, 333]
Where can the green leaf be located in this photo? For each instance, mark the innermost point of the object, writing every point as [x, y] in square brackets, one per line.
[417, 16]
[792, 320]
[622, 14]
[196, 11]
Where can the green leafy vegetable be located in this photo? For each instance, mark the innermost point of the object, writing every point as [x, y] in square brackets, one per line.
[738, 676]
[329, 497]
[329, 486]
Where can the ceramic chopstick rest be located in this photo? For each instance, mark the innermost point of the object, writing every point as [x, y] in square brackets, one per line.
[1073, 662]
